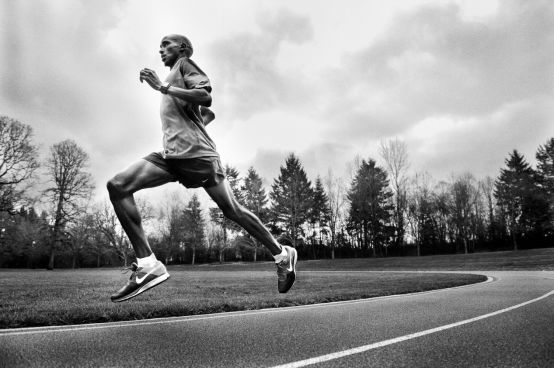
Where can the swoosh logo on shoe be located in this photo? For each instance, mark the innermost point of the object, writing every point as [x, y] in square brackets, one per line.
[140, 280]
[289, 269]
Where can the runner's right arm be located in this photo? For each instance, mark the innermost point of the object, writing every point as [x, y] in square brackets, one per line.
[200, 95]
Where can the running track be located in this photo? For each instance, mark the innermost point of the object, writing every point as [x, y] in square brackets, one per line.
[505, 322]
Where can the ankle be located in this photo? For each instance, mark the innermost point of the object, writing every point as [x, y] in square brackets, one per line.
[148, 261]
[282, 256]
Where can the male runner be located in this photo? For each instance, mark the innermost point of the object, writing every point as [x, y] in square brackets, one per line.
[189, 156]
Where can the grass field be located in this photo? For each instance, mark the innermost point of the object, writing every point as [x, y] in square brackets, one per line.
[535, 259]
[39, 297]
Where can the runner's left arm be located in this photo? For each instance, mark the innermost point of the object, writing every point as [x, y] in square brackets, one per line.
[207, 115]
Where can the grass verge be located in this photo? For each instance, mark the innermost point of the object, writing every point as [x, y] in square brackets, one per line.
[41, 298]
[535, 259]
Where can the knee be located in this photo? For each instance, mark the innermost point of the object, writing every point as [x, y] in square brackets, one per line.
[116, 188]
[233, 212]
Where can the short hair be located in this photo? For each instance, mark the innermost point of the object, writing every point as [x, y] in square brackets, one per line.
[183, 40]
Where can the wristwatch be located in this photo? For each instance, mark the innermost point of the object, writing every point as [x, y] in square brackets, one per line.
[164, 87]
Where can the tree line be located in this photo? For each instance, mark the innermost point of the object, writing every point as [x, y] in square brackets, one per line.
[372, 211]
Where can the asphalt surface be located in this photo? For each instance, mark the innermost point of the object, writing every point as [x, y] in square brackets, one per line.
[506, 322]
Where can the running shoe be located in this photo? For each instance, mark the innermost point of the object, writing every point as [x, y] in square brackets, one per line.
[142, 279]
[286, 270]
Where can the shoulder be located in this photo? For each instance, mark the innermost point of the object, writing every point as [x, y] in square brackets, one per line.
[187, 64]
[194, 76]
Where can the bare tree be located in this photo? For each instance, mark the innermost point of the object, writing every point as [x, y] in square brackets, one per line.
[107, 223]
[486, 187]
[71, 184]
[395, 154]
[420, 208]
[442, 229]
[18, 160]
[214, 239]
[336, 194]
[81, 235]
[171, 226]
[217, 235]
[464, 197]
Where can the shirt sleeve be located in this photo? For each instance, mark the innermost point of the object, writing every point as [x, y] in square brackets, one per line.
[194, 77]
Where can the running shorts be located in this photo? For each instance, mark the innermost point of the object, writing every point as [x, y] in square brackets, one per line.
[191, 173]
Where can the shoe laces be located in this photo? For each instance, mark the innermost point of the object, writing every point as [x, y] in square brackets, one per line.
[133, 268]
[282, 271]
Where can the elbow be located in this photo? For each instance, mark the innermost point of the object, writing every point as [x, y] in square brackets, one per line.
[204, 97]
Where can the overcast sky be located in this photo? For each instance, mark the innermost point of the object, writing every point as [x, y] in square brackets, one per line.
[463, 83]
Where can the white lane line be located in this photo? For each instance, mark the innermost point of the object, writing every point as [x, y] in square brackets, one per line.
[360, 349]
[171, 320]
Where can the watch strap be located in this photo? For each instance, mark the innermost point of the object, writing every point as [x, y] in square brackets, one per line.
[164, 88]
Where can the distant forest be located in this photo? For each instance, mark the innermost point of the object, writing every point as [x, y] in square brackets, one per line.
[377, 211]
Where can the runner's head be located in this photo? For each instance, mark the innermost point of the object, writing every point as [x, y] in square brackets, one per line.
[172, 47]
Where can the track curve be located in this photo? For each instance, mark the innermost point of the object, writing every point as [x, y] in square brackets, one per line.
[506, 322]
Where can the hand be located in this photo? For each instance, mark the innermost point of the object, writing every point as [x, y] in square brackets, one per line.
[151, 78]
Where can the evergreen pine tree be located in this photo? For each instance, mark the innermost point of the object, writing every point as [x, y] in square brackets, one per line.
[370, 206]
[545, 179]
[292, 198]
[253, 194]
[320, 212]
[194, 225]
[255, 199]
[516, 192]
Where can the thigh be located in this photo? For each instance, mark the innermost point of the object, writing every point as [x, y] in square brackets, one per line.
[222, 194]
[143, 174]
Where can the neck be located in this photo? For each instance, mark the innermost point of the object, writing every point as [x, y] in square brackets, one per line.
[170, 66]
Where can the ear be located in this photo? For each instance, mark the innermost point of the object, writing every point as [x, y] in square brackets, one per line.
[183, 46]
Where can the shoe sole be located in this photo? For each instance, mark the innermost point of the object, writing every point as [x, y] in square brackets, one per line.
[153, 283]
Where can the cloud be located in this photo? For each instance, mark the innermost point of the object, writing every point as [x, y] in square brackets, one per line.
[267, 163]
[317, 161]
[51, 51]
[477, 89]
[61, 77]
[433, 62]
[280, 84]
[247, 78]
[480, 144]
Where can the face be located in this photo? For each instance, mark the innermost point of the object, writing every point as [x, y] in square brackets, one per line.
[170, 51]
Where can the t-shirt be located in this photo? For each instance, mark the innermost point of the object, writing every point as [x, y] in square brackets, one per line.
[184, 134]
